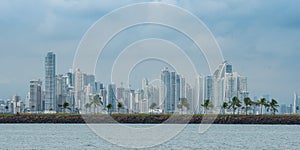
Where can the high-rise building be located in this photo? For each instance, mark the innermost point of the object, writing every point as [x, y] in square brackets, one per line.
[89, 79]
[228, 68]
[78, 89]
[61, 90]
[127, 98]
[131, 106]
[50, 96]
[283, 109]
[208, 88]
[17, 103]
[225, 84]
[35, 96]
[296, 104]
[154, 93]
[70, 79]
[199, 94]
[166, 90]
[177, 92]
[189, 96]
[182, 88]
[137, 97]
[172, 91]
[103, 94]
[111, 98]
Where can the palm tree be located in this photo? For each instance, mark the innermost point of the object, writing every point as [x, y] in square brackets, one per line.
[6, 109]
[235, 103]
[120, 105]
[179, 106]
[224, 106]
[87, 105]
[96, 101]
[256, 104]
[248, 103]
[65, 106]
[152, 106]
[109, 106]
[32, 107]
[273, 105]
[262, 102]
[184, 103]
[207, 104]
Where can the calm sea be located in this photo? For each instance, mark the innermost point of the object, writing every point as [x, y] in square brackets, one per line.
[75, 136]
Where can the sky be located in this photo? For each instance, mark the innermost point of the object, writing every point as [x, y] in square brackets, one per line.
[259, 38]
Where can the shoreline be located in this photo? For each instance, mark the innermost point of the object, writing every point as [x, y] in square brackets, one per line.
[148, 119]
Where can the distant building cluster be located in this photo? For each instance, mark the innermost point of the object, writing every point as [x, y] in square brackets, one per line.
[78, 89]
[166, 95]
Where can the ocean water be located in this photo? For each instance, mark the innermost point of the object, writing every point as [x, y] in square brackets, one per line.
[80, 136]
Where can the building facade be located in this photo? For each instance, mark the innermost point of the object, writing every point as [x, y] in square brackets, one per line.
[50, 96]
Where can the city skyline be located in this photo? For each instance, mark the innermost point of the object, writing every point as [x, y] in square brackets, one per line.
[75, 78]
[78, 89]
[268, 55]
[149, 74]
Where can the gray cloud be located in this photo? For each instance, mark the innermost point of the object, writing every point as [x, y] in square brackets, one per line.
[260, 38]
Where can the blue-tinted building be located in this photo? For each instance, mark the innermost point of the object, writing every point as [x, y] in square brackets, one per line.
[166, 90]
[50, 96]
[111, 98]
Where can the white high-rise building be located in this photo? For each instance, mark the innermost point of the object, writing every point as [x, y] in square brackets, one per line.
[199, 94]
[61, 90]
[226, 84]
[17, 103]
[296, 104]
[50, 96]
[78, 89]
[35, 96]
[166, 90]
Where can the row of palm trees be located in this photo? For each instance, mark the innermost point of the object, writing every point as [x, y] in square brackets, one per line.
[96, 102]
[235, 104]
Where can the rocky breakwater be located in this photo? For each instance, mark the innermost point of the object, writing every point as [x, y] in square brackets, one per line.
[152, 119]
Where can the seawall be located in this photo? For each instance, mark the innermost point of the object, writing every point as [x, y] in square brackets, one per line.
[152, 119]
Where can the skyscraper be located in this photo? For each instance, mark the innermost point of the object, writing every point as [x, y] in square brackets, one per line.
[35, 96]
[61, 90]
[17, 103]
[199, 93]
[173, 91]
[89, 79]
[166, 90]
[111, 98]
[50, 100]
[78, 89]
[296, 103]
[177, 92]
[208, 88]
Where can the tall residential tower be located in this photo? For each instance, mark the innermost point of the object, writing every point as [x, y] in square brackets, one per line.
[50, 99]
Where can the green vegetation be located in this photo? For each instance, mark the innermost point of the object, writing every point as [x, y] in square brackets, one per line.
[225, 106]
[273, 106]
[96, 102]
[183, 104]
[248, 103]
[207, 104]
[64, 106]
[234, 104]
[120, 106]
[152, 106]
[109, 107]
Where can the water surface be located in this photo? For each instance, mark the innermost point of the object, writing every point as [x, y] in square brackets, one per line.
[79, 136]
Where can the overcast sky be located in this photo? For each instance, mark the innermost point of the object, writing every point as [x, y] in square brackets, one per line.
[259, 38]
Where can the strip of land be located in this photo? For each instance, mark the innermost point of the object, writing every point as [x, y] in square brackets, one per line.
[151, 119]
